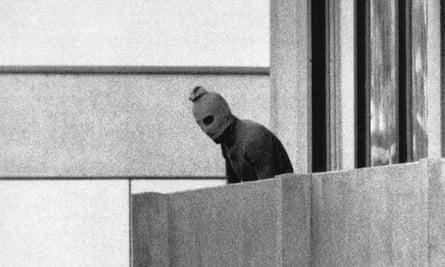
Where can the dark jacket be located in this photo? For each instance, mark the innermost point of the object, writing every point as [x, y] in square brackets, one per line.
[253, 152]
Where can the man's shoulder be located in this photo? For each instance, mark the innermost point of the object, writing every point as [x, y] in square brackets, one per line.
[250, 127]
[253, 132]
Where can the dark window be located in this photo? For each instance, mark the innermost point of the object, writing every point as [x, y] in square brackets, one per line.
[362, 107]
[442, 63]
[319, 85]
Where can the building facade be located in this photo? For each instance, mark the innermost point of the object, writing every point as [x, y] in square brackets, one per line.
[357, 83]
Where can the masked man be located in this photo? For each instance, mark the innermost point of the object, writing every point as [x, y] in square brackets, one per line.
[250, 150]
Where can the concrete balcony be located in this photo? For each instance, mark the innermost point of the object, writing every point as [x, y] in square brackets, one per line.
[381, 216]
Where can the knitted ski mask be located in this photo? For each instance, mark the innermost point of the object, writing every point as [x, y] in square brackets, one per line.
[211, 112]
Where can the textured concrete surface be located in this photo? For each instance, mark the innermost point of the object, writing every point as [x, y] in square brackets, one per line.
[296, 219]
[370, 217]
[226, 226]
[150, 230]
[234, 225]
[64, 223]
[138, 33]
[289, 66]
[381, 216]
[99, 124]
[434, 75]
[436, 212]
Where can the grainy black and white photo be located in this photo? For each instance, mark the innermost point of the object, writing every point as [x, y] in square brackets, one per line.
[222, 133]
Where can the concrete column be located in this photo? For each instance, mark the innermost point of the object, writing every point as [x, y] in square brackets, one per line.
[290, 83]
[433, 90]
[347, 83]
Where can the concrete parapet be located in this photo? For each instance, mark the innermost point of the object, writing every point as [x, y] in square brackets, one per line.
[150, 230]
[253, 224]
[380, 216]
[232, 226]
[436, 212]
[370, 217]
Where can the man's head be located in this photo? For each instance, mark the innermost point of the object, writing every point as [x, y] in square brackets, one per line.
[211, 112]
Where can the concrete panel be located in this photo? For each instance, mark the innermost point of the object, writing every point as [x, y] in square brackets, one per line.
[433, 80]
[235, 225]
[436, 212]
[381, 216]
[64, 223]
[370, 217]
[263, 223]
[150, 230]
[135, 33]
[111, 124]
[296, 219]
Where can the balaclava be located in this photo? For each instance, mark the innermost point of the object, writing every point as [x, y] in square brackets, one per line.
[211, 112]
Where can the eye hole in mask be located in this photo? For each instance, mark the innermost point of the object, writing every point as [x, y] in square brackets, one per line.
[208, 120]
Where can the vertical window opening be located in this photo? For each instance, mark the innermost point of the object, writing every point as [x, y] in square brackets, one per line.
[319, 86]
[404, 95]
[361, 110]
[442, 76]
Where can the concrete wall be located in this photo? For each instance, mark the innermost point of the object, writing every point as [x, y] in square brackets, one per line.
[382, 216]
[257, 224]
[436, 213]
[139, 32]
[64, 223]
[376, 216]
[115, 124]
